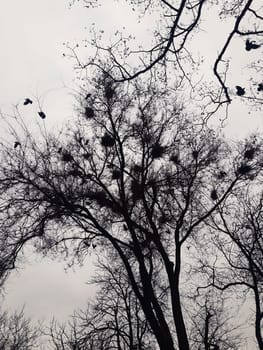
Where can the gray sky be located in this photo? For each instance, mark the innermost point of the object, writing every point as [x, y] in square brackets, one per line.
[32, 33]
[31, 65]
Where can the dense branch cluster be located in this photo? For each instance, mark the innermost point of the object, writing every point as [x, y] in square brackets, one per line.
[138, 178]
[172, 58]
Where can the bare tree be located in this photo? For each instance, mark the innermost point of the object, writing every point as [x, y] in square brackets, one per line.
[171, 50]
[114, 320]
[135, 175]
[17, 332]
[213, 325]
[241, 246]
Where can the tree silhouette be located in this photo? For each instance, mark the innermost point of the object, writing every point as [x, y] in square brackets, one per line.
[170, 56]
[114, 320]
[213, 327]
[241, 242]
[135, 178]
[17, 332]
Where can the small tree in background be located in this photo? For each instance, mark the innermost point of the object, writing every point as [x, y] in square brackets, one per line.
[17, 332]
[239, 238]
[114, 320]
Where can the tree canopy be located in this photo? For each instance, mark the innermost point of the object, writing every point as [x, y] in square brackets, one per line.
[195, 46]
[138, 177]
[171, 207]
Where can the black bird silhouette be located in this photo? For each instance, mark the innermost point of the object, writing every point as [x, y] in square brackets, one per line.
[42, 114]
[251, 45]
[16, 144]
[27, 101]
[240, 91]
[260, 87]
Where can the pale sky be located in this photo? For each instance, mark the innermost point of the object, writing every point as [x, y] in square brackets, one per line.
[32, 33]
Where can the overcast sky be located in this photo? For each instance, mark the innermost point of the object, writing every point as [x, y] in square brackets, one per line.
[32, 33]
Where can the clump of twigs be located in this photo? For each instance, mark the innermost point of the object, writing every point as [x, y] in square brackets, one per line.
[244, 169]
[89, 113]
[107, 141]
[157, 151]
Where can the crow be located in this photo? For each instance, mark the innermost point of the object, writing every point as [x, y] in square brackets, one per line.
[251, 45]
[27, 101]
[16, 144]
[240, 91]
[42, 114]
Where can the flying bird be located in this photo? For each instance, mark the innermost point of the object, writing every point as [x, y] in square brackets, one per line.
[251, 45]
[27, 101]
[240, 91]
[42, 114]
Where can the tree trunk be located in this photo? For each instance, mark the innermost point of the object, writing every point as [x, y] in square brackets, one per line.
[258, 319]
[174, 279]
